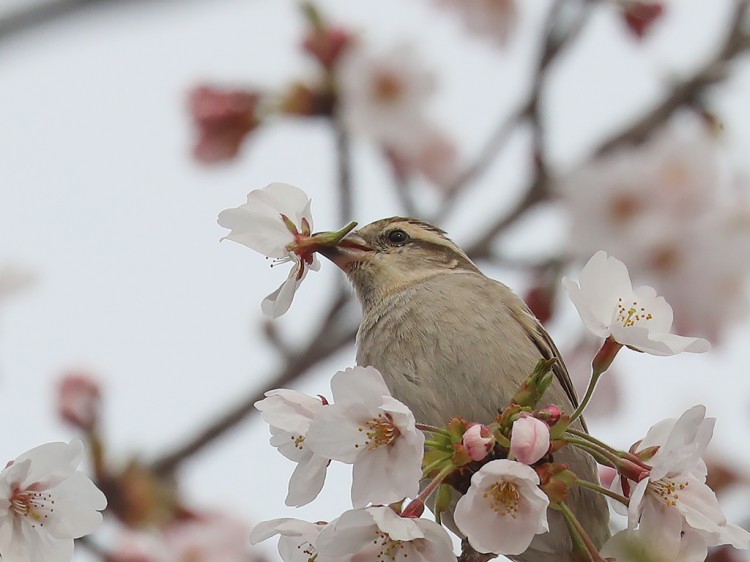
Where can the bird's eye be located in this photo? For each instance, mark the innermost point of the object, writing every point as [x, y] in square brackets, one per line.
[397, 237]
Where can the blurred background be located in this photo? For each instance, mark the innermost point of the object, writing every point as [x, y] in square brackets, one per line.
[534, 132]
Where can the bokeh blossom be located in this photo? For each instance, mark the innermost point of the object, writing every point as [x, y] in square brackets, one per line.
[673, 212]
[223, 119]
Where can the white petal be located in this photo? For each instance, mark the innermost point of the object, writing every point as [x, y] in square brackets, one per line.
[289, 410]
[307, 481]
[359, 384]
[398, 528]
[286, 526]
[278, 302]
[351, 533]
[77, 505]
[283, 198]
[51, 463]
[335, 432]
[262, 232]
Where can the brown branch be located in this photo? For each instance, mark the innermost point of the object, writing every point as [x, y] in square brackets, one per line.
[38, 15]
[344, 169]
[468, 554]
[688, 93]
[333, 334]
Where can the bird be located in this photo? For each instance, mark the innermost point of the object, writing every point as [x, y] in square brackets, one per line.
[449, 341]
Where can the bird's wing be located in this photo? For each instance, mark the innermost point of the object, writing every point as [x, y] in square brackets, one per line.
[548, 350]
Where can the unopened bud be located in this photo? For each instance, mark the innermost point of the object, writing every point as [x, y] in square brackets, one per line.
[414, 509]
[529, 439]
[478, 441]
[78, 399]
[550, 414]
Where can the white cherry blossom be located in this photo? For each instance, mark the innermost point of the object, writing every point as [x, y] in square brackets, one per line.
[637, 318]
[503, 509]
[270, 222]
[376, 433]
[529, 439]
[289, 414]
[673, 504]
[297, 539]
[493, 19]
[45, 503]
[379, 533]
[646, 544]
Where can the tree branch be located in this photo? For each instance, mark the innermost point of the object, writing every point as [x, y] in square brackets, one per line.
[468, 554]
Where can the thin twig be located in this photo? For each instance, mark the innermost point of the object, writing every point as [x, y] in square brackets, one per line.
[688, 93]
[344, 169]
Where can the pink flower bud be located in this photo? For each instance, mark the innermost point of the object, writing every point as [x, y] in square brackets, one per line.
[529, 439]
[78, 397]
[478, 441]
[223, 119]
[550, 414]
[327, 45]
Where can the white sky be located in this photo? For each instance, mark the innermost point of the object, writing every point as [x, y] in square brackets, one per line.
[100, 198]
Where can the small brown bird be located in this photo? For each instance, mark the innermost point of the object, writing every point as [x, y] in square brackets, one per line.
[450, 342]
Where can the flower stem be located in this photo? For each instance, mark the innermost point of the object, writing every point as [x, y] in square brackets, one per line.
[602, 456]
[594, 441]
[432, 486]
[602, 490]
[432, 429]
[579, 535]
[599, 365]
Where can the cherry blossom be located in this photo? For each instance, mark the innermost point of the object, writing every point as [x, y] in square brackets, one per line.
[493, 19]
[297, 539]
[673, 212]
[504, 508]
[673, 506]
[637, 318]
[529, 439]
[289, 414]
[272, 220]
[376, 433]
[379, 533]
[45, 503]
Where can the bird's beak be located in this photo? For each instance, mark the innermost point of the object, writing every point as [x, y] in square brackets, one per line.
[350, 250]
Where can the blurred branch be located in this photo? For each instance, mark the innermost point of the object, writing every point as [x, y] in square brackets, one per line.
[333, 334]
[555, 41]
[685, 94]
[689, 92]
[344, 159]
[39, 14]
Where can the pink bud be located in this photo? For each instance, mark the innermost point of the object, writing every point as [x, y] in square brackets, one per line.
[223, 119]
[478, 441]
[529, 439]
[78, 398]
[550, 414]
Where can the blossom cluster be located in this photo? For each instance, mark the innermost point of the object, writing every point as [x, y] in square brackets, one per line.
[510, 477]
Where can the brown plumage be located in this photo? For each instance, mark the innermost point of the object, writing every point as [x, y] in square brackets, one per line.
[450, 342]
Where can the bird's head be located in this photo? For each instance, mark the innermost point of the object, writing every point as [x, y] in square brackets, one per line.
[391, 254]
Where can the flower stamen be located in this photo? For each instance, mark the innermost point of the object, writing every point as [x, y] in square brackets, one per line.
[34, 505]
[379, 432]
[504, 498]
